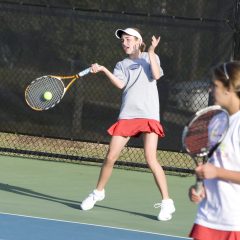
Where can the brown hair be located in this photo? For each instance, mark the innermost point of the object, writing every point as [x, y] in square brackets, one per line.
[229, 74]
[143, 45]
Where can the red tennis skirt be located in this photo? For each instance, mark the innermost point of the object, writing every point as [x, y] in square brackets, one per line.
[204, 233]
[135, 127]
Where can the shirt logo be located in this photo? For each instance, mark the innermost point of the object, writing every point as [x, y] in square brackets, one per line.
[134, 66]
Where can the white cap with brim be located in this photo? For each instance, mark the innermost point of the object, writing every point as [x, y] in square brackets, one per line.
[129, 31]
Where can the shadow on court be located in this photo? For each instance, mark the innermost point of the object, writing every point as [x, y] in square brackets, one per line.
[33, 194]
[69, 203]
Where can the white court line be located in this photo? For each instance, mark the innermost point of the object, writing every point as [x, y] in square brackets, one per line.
[89, 224]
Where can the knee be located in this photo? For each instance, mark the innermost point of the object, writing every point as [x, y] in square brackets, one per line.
[110, 160]
[150, 158]
[152, 162]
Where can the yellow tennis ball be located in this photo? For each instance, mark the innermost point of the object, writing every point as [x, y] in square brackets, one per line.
[47, 95]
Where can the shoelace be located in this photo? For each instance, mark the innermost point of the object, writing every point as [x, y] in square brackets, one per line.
[91, 195]
[158, 205]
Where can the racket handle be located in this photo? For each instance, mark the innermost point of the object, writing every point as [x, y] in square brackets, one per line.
[84, 72]
[198, 186]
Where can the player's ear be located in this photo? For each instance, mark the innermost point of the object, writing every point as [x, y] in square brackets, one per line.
[227, 91]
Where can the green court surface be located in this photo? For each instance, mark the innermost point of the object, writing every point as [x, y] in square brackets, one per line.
[54, 190]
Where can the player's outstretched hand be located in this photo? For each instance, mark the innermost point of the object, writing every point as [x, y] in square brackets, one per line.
[95, 68]
[154, 44]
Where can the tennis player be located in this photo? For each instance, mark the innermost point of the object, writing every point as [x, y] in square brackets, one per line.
[218, 216]
[136, 75]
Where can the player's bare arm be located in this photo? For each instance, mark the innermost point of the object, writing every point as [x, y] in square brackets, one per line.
[209, 171]
[156, 71]
[114, 80]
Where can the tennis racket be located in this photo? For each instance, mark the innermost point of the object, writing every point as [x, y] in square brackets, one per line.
[203, 134]
[46, 92]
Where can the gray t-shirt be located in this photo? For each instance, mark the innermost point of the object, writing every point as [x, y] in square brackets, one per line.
[140, 95]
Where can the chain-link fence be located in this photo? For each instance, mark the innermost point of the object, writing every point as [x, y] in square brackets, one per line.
[64, 37]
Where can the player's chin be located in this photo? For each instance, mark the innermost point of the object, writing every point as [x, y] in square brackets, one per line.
[128, 51]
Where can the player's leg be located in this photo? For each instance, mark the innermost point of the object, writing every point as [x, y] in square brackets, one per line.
[115, 147]
[150, 151]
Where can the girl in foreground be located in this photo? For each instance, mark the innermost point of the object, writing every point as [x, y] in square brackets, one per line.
[218, 216]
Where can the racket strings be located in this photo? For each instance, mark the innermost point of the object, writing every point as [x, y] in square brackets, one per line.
[205, 132]
[196, 144]
[197, 137]
[34, 93]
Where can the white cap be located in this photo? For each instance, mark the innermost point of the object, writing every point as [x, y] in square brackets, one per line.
[129, 31]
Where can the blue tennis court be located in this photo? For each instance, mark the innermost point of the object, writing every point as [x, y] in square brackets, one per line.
[25, 228]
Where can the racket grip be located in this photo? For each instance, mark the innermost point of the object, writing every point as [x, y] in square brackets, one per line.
[198, 186]
[84, 72]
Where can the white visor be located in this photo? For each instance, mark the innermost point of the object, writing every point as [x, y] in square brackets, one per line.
[129, 31]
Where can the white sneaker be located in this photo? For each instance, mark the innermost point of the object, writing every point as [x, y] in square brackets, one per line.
[167, 209]
[93, 197]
